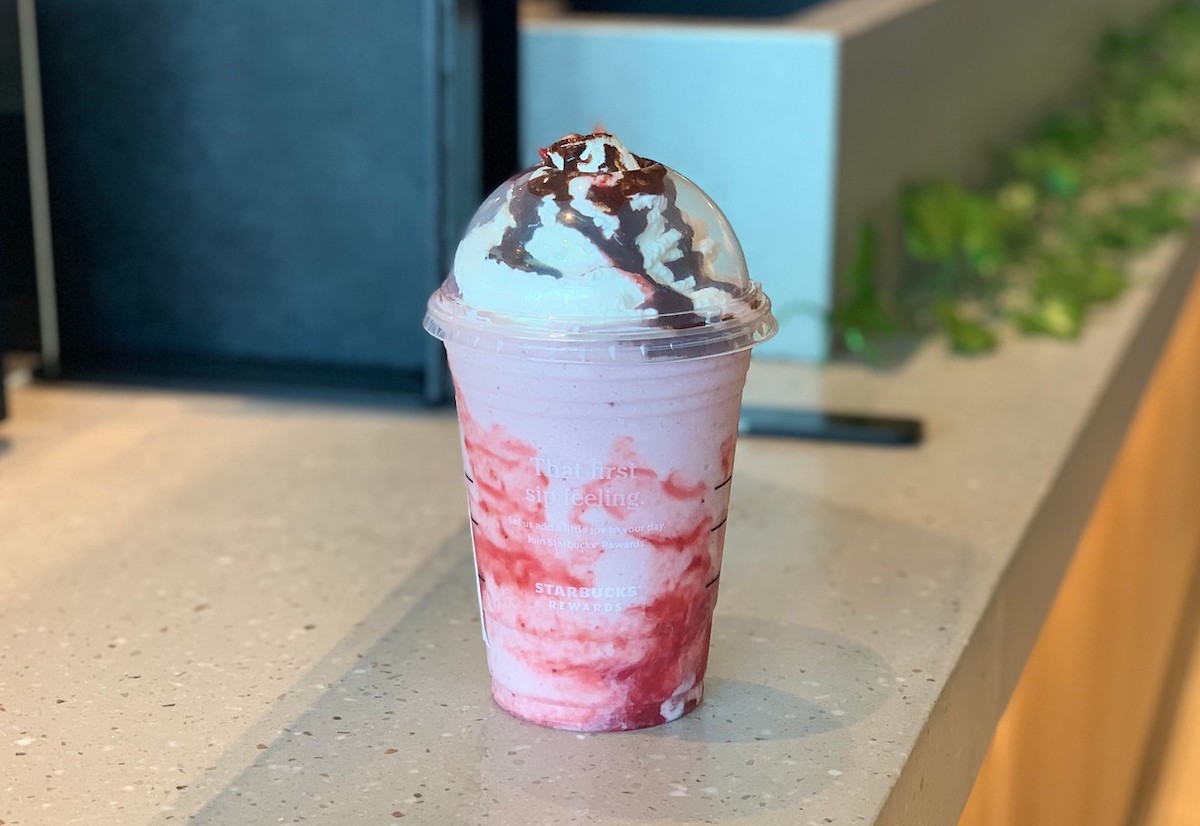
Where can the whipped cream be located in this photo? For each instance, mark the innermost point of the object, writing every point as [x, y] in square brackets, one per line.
[593, 233]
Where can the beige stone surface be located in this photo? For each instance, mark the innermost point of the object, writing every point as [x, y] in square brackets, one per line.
[238, 609]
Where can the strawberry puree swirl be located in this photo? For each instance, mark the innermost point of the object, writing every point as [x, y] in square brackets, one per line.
[621, 656]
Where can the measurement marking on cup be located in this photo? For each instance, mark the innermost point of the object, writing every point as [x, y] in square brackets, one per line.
[726, 482]
[474, 521]
[712, 581]
[717, 526]
[472, 481]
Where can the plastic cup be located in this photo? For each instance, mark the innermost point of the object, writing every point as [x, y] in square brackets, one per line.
[598, 456]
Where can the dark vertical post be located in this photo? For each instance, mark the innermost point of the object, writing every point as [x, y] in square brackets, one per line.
[498, 85]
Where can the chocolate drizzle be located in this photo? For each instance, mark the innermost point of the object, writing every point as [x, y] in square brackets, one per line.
[613, 182]
[691, 262]
[511, 249]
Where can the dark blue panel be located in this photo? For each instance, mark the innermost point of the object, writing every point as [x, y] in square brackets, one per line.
[243, 179]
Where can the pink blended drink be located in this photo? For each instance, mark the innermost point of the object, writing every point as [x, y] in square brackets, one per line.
[598, 324]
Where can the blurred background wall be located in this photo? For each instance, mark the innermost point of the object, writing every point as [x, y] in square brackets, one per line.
[261, 187]
[270, 188]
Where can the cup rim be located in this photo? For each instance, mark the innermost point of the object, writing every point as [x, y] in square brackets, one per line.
[737, 327]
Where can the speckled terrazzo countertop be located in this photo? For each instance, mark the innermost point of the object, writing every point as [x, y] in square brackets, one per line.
[228, 609]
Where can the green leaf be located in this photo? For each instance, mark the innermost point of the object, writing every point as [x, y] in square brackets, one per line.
[1055, 315]
[1017, 200]
[966, 336]
[1104, 282]
[855, 341]
[860, 315]
[1073, 134]
[860, 277]
[983, 242]
[934, 221]
[971, 338]
[1062, 179]
[1135, 225]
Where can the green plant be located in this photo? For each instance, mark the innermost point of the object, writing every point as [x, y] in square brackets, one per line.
[860, 317]
[1054, 233]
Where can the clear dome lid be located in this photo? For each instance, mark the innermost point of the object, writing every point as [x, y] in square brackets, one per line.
[597, 254]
